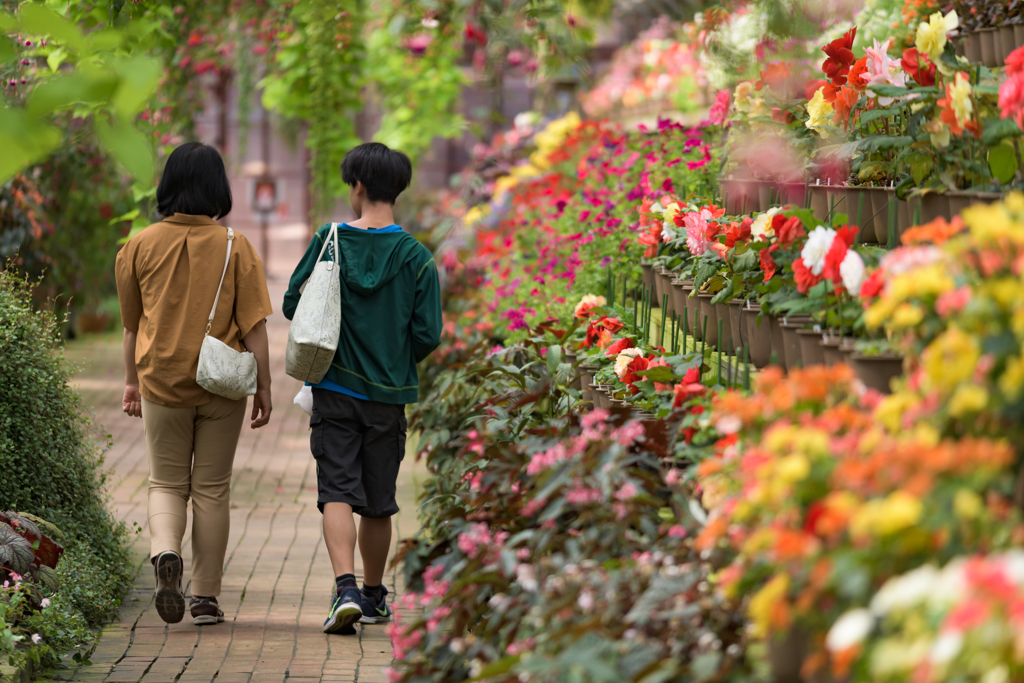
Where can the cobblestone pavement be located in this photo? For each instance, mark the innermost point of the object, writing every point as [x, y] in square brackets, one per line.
[277, 575]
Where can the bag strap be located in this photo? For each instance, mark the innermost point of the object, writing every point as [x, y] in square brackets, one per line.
[227, 258]
[333, 234]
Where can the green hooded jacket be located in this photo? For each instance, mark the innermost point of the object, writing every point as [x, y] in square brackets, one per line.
[390, 309]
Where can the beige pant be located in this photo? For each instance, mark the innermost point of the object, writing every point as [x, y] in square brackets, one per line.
[191, 452]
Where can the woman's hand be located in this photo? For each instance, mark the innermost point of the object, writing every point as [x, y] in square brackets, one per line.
[132, 401]
[261, 407]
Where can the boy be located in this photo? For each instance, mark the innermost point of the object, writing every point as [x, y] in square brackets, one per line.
[390, 321]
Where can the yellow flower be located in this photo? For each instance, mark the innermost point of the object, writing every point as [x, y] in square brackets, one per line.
[505, 183]
[1012, 379]
[819, 111]
[785, 439]
[926, 435]
[992, 223]
[883, 517]
[793, 468]
[742, 96]
[906, 316]
[474, 215]
[969, 398]
[950, 359]
[931, 34]
[763, 605]
[891, 408]
[967, 504]
[1008, 292]
[959, 93]
[671, 211]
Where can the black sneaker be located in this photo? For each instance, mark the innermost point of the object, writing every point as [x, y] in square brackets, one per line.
[205, 611]
[169, 599]
[375, 608]
[346, 609]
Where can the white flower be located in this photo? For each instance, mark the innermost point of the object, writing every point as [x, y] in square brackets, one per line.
[852, 272]
[430, 23]
[526, 576]
[45, 603]
[36, 638]
[906, 590]
[946, 647]
[819, 241]
[458, 645]
[668, 232]
[585, 601]
[762, 226]
[624, 358]
[728, 424]
[849, 630]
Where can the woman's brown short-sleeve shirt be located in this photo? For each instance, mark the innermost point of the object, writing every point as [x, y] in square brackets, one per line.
[167, 279]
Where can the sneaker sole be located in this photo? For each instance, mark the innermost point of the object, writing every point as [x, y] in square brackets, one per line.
[206, 620]
[170, 601]
[343, 619]
[374, 620]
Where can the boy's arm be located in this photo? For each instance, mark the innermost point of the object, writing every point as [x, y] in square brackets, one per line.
[301, 274]
[426, 313]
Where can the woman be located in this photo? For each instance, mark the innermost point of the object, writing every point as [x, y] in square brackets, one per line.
[167, 279]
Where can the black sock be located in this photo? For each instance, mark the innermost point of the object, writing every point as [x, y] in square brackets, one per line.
[372, 591]
[345, 581]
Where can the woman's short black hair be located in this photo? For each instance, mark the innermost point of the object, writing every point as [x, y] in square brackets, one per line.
[194, 182]
[384, 172]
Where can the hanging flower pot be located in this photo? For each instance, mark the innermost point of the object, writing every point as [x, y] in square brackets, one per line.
[791, 340]
[934, 205]
[810, 349]
[877, 371]
[830, 349]
[648, 274]
[989, 49]
[735, 329]
[819, 201]
[778, 346]
[858, 198]
[710, 313]
[758, 335]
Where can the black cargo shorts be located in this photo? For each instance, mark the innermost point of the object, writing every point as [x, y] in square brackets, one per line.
[358, 446]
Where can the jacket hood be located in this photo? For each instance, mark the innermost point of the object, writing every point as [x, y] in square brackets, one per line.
[370, 258]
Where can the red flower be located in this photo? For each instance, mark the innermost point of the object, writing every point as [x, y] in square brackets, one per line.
[812, 87]
[846, 99]
[630, 378]
[873, 285]
[767, 264]
[1015, 62]
[1011, 98]
[738, 231]
[715, 211]
[920, 67]
[787, 229]
[835, 255]
[597, 328]
[620, 345]
[781, 115]
[840, 57]
[772, 74]
[805, 279]
[687, 388]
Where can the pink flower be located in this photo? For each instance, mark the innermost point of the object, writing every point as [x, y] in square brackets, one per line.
[546, 459]
[677, 531]
[696, 229]
[628, 491]
[720, 109]
[883, 70]
[629, 433]
[469, 542]
[1011, 99]
[418, 43]
[949, 303]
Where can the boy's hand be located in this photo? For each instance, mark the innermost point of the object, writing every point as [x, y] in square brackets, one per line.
[132, 401]
[261, 407]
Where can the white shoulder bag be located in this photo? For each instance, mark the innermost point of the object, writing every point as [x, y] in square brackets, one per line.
[222, 370]
[316, 325]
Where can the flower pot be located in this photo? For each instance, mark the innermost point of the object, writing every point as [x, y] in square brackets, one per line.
[740, 195]
[602, 396]
[778, 354]
[726, 343]
[880, 204]
[1007, 42]
[830, 349]
[786, 656]
[1018, 35]
[860, 197]
[902, 214]
[587, 381]
[693, 313]
[958, 46]
[678, 299]
[662, 285]
[877, 371]
[710, 313]
[734, 327]
[934, 205]
[915, 213]
[765, 195]
[648, 277]
[819, 201]
[791, 340]
[847, 348]
[810, 350]
[960, 199]
[577, 383]
[987, 36]
[972, 46]
[836, 201]
[758, 335]
[792, 193]
[92, 323]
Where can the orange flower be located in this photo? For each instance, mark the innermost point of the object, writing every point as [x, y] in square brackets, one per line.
[936, 232]
[846, 100]
[772, 74]
[859, 68]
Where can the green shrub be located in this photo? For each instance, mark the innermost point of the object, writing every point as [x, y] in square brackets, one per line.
[50, 464]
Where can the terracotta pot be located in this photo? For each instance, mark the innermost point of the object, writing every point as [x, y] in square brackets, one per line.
[778, 355]
[648, 278]
[877, 371]
[830, 349]
[734, 327]
[678, 299]
[791, 340]
[880, 206]
[972, 46]
[92, 323]
[809, 347]
[857, 196]
[758, 335]
[988, 47]
[1007, 42]
[710, 313]
[819, 201]
[726, 342]
[933, 205]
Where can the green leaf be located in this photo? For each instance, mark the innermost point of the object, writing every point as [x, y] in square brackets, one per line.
[24, 140]
[6, 50]
[874, 114]
[139, 78]
[38, 20]
[67, 89]
[1002, 161]
[996, 130]
[921, 166]
[128, 146]
[886, 90]
[661, 374]
[748, 260]
[553, 357]
[499, 667]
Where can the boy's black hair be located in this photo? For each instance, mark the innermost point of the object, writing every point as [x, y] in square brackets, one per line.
[194, 182]
[384, 172]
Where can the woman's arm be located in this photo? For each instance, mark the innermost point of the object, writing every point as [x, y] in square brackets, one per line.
[132, 401]
[256, 343]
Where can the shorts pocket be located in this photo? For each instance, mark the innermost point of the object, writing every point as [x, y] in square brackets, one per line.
[403, 426]
[316, 436]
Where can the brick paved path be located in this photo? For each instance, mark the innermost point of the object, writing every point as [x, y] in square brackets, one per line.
[277, 576]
